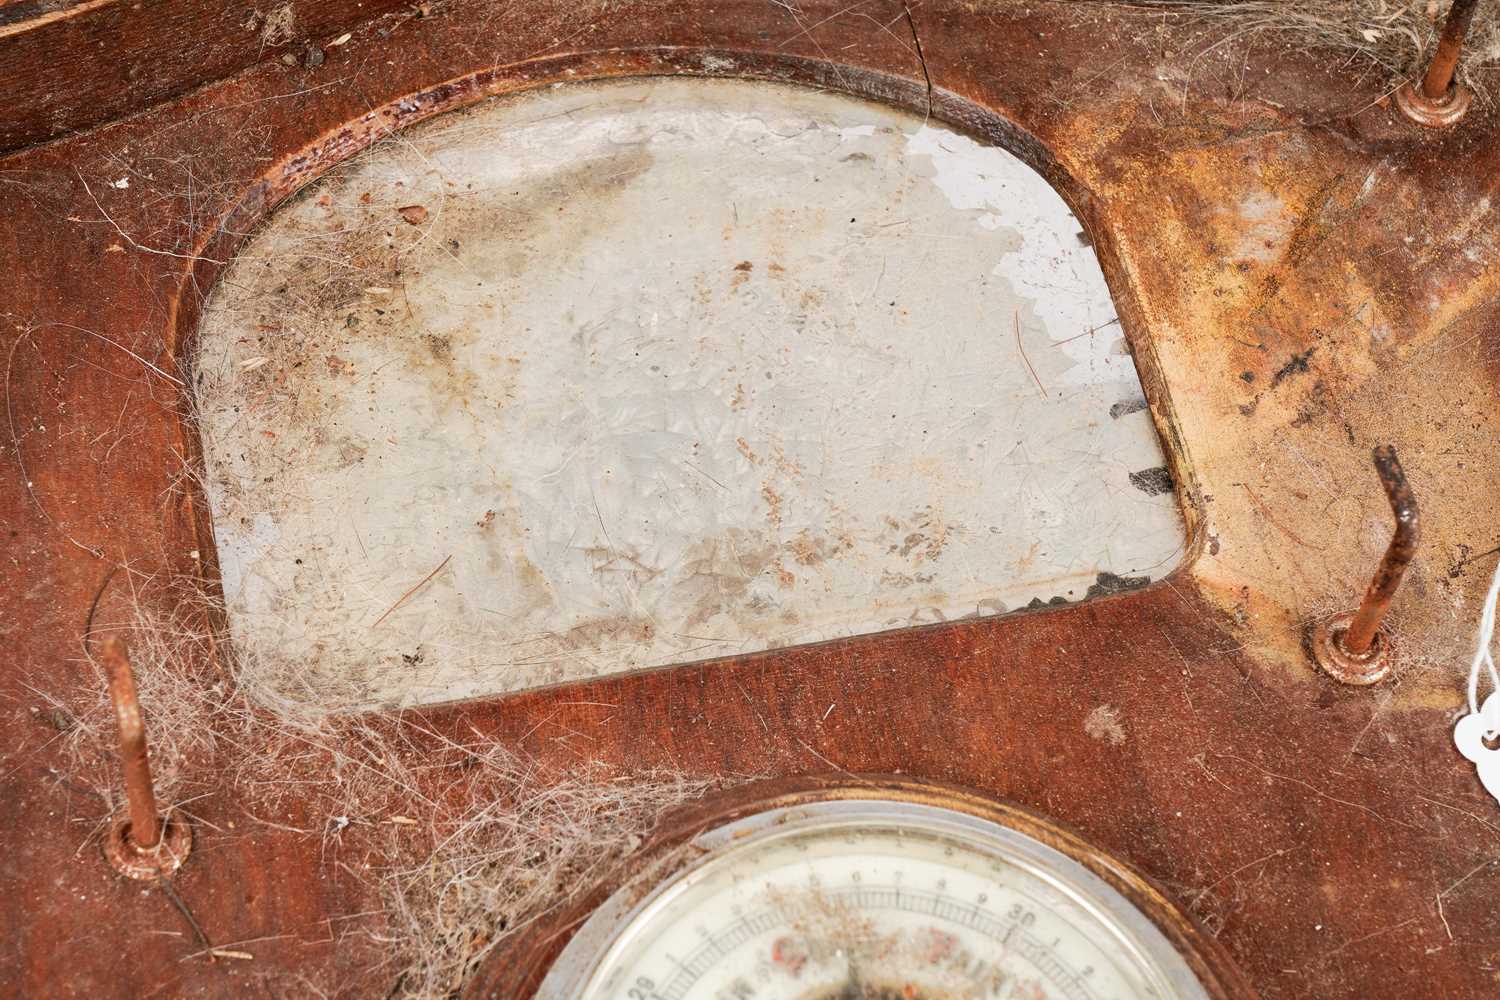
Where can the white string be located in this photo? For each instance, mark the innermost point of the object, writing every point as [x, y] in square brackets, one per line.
[1484, 658]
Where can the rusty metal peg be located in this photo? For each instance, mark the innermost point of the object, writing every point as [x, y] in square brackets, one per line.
[1439, 100]
[141, 843]
[1353, 648]
[1366, 624]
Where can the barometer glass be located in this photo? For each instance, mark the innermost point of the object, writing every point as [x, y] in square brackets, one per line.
[872, 900]
[613, 376]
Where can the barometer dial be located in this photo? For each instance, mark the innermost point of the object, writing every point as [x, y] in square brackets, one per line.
[872, 899]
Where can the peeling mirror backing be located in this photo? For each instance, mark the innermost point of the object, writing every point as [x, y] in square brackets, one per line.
[614, 376]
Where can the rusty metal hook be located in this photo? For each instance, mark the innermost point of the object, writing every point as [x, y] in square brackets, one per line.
[1366, 623]
[139, 844]
[1439, 100]
[140, 794]
[1353, 647]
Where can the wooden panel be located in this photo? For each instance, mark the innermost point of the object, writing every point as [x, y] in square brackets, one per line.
[1330, 837]
[78, 66]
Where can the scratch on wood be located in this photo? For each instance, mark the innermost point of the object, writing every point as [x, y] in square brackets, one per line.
[1316, 790]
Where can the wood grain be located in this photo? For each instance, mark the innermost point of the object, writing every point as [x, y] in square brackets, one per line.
[1329, 837]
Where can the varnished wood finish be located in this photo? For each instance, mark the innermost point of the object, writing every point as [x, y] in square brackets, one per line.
[78, 65]
[1329, 837]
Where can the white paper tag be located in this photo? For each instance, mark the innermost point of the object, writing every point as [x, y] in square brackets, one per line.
[1468, 736]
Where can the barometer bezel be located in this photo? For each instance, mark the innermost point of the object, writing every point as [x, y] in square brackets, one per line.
[562, 948]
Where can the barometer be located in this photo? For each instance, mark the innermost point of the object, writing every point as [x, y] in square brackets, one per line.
[885, 892]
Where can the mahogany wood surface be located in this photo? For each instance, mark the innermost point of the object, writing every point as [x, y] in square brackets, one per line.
[1330, 838]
